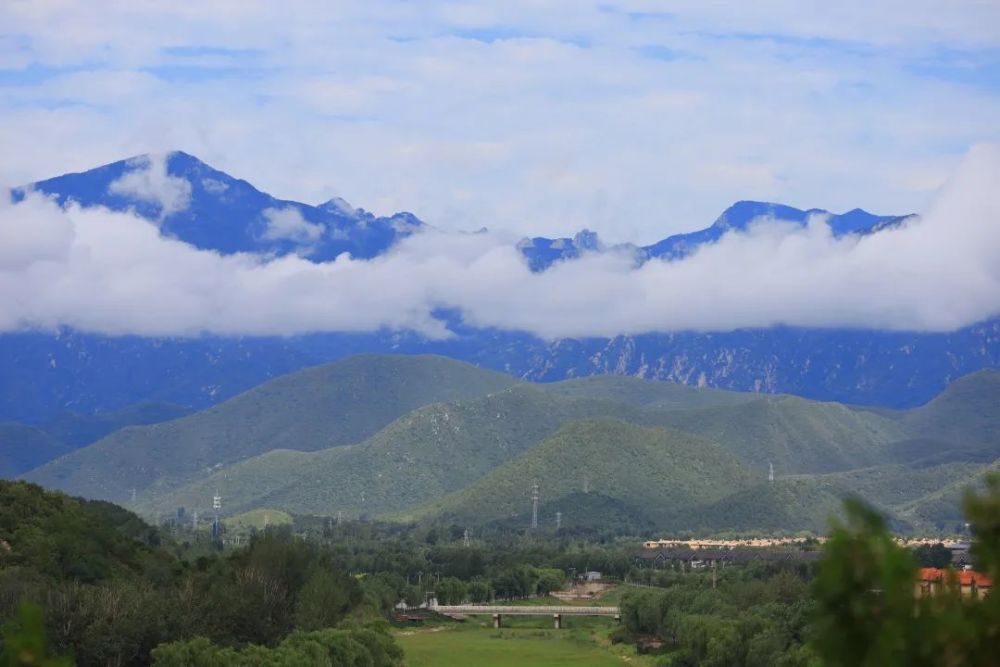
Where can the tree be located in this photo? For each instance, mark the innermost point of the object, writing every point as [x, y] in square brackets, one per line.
[24, 643]
[869, 613]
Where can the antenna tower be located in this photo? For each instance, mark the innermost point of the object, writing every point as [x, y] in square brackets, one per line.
[770, 473]
[534, 506]
[558, 520]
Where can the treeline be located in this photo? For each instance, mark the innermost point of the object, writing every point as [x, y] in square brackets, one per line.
[111, 599]
[862, 608]
[753, 616]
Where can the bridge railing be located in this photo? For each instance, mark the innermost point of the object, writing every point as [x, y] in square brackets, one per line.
[526, 610]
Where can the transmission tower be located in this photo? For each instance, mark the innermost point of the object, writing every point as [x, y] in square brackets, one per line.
[340, 517]
[586, 483]
[558, 520]
[194, 520]
[534, 506]
[770, 474]
[216, 507]
[466, 537]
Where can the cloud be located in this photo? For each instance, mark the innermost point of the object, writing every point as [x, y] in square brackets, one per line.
[543, 117]
[287, 224]
[110, 272]
[148, 181]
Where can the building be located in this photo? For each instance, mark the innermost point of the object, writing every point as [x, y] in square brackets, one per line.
[932, 580]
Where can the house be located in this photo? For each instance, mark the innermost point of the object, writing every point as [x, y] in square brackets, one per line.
[932, 580]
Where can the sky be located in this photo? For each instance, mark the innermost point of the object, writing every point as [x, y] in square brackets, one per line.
[634, 119]
[113, 272]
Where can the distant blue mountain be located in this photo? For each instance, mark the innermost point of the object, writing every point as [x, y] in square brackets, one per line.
[543, 252]
[229, 215]
[45, 374]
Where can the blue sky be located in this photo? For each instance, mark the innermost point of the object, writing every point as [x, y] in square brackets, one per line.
[636, 119]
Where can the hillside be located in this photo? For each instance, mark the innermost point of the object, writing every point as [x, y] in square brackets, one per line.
[650, 468]
[641, 392]
[24, 447]
[965, 415]
[794, 434]
[423, 455]
[325, 406]
[67, 538]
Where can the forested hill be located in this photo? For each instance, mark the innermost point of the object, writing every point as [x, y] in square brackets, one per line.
[112, 589]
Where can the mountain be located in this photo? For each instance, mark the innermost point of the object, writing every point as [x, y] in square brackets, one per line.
[330, 405]
[650, 468]
[964, 414]
[441, 448]
[542, 252]
[793, 434]
[46, 373]
[210, 209]
[404, 437]
[424, 454]
[24, 447]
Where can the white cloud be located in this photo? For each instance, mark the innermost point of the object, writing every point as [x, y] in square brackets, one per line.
[100, 271]
[148, 180]
[542, 117]
[287, 224]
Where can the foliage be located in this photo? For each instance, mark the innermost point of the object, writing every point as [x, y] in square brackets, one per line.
[870, 613]
[347, 646]
[752, 616]
[24, 643]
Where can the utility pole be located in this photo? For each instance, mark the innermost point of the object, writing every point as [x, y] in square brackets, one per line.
[534, 506]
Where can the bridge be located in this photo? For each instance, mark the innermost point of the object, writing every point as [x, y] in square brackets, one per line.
[498, 612]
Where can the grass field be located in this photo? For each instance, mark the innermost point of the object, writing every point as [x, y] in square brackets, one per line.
[462, 645]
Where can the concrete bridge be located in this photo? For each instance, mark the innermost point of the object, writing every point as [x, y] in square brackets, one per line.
[498, 612]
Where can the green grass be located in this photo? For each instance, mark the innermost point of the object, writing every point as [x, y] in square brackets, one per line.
[514, 647]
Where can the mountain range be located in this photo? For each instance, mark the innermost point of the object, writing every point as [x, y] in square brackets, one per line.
[47, 373]
[413, 438]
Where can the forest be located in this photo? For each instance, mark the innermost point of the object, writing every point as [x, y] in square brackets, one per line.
[89, 583]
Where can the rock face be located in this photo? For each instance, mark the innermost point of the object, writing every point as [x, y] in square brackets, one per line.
[47, 373]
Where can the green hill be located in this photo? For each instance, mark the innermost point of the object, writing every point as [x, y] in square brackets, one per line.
[966, 415]
[653, 469]
[423, 455]
[648, 393]
[331, 405]
[24, 447]
[69, 538]
[795, 434]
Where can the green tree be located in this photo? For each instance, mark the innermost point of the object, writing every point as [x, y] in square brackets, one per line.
[24, 643]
